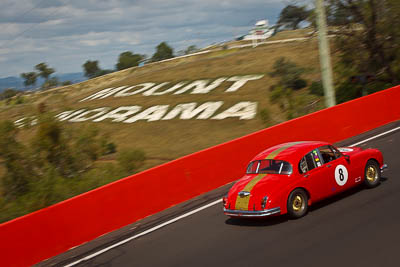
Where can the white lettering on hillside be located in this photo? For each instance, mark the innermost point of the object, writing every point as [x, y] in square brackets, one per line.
[119, 114]
[126, 114]
[32, 121]
[243, 110]
[189, 110]
[103, 93]
[239, 81]
[97, 113]
[200, 86]
[68, 114]
[153, 90]
[151, 114]
[20, 123]
[196, 87]
[125, 92]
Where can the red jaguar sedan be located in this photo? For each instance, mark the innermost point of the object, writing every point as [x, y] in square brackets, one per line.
[290, 177]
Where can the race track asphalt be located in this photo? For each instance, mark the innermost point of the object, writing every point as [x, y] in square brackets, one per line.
[358, 228]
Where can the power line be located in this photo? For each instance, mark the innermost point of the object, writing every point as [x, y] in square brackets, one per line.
[18, 35]
[33, 8]
[27, 12]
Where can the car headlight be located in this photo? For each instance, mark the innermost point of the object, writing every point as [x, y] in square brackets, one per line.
[264, 202]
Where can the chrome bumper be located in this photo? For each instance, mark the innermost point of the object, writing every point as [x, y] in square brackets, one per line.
[384, 167]
[252, 213]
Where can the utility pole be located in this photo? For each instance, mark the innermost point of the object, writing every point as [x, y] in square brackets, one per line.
[325, 55]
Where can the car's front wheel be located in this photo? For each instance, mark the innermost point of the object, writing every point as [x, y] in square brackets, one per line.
[297, 203]
[372, 174]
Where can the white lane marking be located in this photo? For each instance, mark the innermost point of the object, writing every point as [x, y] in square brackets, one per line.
[186, 215]
[374, 137]
[145, 232]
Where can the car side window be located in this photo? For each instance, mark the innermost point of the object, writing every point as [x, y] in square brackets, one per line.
[303, 165]
[309, 161]
[327, 154]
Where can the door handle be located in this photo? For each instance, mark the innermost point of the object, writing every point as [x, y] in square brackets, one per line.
[306, 175]
[329, 165]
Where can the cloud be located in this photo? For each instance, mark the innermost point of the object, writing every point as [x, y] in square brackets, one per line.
[66, 33]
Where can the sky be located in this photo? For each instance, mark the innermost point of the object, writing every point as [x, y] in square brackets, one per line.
[67, 33]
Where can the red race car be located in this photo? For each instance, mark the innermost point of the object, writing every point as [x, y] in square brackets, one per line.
[289, 177]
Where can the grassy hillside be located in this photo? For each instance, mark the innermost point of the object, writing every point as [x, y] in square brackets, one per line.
[161, 140]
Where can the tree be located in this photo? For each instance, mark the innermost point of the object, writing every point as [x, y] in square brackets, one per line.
[91, 68]
[50, 83]
[29, 78]
[44, 70]
[291, 16]
[337, 16]
[191, 49]
[18, 168]
[52, 149]
[88, 144]
[128, 59]
[57, 164]
[289, 74]
[163, 51]
[369, 45]
[316, 88]
[8, 93]
[103, 72]
[65, 83]
[334, 16]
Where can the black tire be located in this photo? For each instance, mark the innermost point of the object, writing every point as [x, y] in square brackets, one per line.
[372, 174]
[297, 203]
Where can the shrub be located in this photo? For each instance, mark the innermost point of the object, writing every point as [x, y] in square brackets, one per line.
[110, 148]
[316, 88]
[65, 83]
[299, 84]
[347, 91]
[265, 117]
[289, 74]
[130, 160]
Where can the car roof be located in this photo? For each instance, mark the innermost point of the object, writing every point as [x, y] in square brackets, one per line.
[291, 151]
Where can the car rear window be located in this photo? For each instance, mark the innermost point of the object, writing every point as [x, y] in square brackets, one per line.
[269, 166]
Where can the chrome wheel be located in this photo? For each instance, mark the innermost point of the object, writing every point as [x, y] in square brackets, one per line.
[372, 173]
[297, 203]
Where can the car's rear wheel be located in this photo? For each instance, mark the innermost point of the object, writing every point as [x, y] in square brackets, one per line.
[297, 204]
[372, 174]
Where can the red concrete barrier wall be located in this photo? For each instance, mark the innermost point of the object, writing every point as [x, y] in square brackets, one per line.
[48, 232]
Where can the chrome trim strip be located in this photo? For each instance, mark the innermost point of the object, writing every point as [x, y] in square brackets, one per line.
[384, 166]
[243, 194]
[251, 213]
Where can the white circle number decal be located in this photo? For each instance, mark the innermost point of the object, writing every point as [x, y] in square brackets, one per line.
[341, 175]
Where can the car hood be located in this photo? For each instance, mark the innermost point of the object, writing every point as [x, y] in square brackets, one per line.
[254, 187]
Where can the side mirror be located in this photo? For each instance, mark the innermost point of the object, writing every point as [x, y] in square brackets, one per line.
[347, 157]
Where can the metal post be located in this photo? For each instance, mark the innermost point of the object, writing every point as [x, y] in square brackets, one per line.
[324, 55]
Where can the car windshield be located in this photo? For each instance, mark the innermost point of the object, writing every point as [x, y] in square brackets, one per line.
[270, 166]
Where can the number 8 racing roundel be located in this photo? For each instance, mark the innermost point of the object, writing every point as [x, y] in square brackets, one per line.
[341, 175]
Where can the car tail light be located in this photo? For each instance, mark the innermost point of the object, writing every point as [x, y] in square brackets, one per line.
[224, 201]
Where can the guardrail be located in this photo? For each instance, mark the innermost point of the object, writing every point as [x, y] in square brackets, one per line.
[37, 236]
